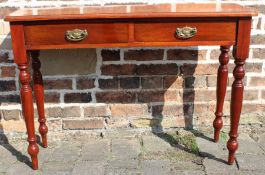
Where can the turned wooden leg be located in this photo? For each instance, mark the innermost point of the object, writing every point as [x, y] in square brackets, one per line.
[240, 53]
[221, 90]
[236, 105]
[27, 108]
[39, 95]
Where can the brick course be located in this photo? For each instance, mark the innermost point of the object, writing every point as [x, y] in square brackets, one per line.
[134, 87]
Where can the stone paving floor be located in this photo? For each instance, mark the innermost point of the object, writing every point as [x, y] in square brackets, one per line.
[136, 154]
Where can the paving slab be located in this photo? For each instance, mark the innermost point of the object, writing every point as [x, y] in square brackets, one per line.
[261, 141]
[185, 166]
[66, 152]
[125, 148]
[21, 169]
[155, 167]
[88, 167]
[209, 148]
[48, 172]
[251, 172]
[219, 166]
[95, 150]
[122, 167]
[251, 162]
[57, 166]
[11, 154]
[188, 172]
[155, 144]
[247, 145]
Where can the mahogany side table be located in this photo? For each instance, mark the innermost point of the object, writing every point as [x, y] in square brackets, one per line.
[131, 26]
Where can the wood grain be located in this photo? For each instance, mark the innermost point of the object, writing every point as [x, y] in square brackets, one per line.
[54, 34]
[133, 11]
[223, 30]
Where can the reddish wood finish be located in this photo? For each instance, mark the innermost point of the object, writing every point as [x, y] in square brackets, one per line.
[38, 36]
[18, 43]
[21, 58]
[133, 11]
[241, 51]
[27, 107]
[39, 96]
[223, 30]
[54, 34]
[221, 90]
[132, 26]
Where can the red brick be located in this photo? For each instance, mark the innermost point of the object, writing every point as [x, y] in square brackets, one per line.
[130, 83]
[8, 71]
[66, 112]
[158, 96]
[185, 54]
[129, 110]
[11, 114]
[144, 55]
[211, 81]
[151, 82]
[116, 97]
[199, 69]
[108, 83]
[9, 98]
[167, 110]
[77, 97]
[253, 108]
[114, 70]
[97, 111]
[157, 69]
[259, 23]
[251, 94]
[97, 123]
[54, 124]
[118, 122]
[4, 57]
[190, 95]
[7, 85]
[52, 97]
[110, 55]
[85, 83]
[58, 84]
[263, 94]
[258, 39]
[257, 81]
[253, 67]
[195, 82]
[214, 55]
[231, 80]
[173, 82]
[259, 53]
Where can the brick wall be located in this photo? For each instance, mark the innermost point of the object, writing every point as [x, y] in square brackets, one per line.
[151, 88]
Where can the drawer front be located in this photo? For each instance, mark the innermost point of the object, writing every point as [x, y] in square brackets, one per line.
[166, 31]
[97, 33]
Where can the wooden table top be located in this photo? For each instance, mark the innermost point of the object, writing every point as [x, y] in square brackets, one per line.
[132, 11]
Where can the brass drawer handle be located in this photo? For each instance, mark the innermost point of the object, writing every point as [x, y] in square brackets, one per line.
[186, 32]
[76, 35]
